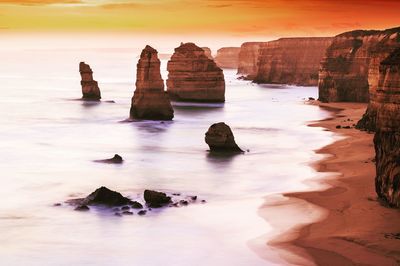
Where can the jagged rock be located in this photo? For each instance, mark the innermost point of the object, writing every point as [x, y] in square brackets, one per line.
[82, 208]
[194, 77]
[117, 159]
[155, 199]
[248, 59]
[207, 52]
[350, 68]
[105, 196]
[228, 57]
[90, 88]
[219, 138]
[136, 205]
[293, 61]
[150, 100]
[142, 212]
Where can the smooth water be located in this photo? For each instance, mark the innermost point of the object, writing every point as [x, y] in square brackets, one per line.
[48, 142]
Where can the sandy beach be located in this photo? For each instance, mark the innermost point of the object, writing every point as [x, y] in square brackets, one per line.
[342, 223]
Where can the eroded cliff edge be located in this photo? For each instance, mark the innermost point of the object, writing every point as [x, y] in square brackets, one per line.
[248, 56]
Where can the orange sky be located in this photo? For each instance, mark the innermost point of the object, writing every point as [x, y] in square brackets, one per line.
[277, 18]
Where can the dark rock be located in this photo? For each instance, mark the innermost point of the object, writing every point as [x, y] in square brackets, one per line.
[105, 196]
[136, 205]
[82, 208]
[311, 99]
[194, 198]
[156, 199]
[184, 202]
[125, 208]
[127, 213]
[57, 204]
[142, 212]
[219, 138]
[338, 126]
[117, 214]
[347, 127]
[116, 159]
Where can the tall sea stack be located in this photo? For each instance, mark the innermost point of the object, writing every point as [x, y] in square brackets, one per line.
[386, 100]
[90, 88]
[194, 77]
[150, 101]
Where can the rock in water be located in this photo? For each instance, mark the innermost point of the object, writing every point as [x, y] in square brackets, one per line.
[116, 159]
[105, 196]
[150, 100]
[90, 88]
[248, 58]
[220, 138]
[293, 61]
[155, 199]
[194, 77]
[350, 67]
[386, 101]
[227, 57]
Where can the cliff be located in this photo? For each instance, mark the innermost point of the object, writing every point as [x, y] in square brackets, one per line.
[228, 57]
[350, 67]
[193, 76]
[90, 88]
[208, 52]
[291, 61]
[248, 57]
[150, 100]
[387, 138]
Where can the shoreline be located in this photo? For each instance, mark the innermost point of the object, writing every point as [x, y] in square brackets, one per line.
[339, 221]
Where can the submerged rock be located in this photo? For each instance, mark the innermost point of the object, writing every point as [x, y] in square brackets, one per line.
[105, 196]
[116, 159]
[90, 88]
[155, 199]
[150, 101]
[219, 138]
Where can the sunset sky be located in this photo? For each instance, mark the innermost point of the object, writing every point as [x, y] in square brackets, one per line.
[234, 18]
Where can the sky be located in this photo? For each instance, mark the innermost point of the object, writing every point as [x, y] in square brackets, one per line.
[235, 18]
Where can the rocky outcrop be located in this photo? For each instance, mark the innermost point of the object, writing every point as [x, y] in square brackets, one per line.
[248, 58]
[90, 88]
[156, 199]
[219, 138]
[293, 61]
[228, 57]
[117, 159]
[208, 52]
[386, 103]
[105, 196]
[150, 101]
[194, 77]
[350, 69]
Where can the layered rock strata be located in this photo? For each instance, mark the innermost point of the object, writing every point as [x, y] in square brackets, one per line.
[350, 69]
[90, 88]
[150, 101]
[208, 52]
[293, 61]
[194, 77]
[228, 57]
[248, 58]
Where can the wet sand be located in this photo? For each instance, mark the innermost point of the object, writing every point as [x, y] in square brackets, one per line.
[343, 222]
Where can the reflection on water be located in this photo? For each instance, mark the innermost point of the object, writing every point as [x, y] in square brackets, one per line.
[48, 144]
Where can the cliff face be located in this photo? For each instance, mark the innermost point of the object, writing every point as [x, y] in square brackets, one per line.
[150, 100]
[228, 57]
[194, 77]
[387, 138]
[90, 88]
[248, 57]
[207, 52]
[291, 61]
[350, 68]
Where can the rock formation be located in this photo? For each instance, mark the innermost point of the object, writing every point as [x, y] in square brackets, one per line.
[155, 199]
[219, 138]
[350, 67]
[90, 88]
[194, 77]
[228, 57]
[117, 159]
[208, 52]
[248, 58]
[150, 100]
[105, 196]
[386, 103]
[291, 61]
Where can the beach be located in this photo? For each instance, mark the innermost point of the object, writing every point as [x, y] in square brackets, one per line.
[350, 226]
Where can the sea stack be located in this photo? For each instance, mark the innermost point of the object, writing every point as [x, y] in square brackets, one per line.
[293, 61]
[90, 88]
[350, 67]
[387, 138]
[193, 76]
[208, 52]
[150, 101]
[219, 138]
[248, 58]
[228, 57]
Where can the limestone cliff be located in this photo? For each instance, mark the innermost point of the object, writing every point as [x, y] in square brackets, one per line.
[90, 88]
[228, 57]
[248, 56]
[193, 76]
[351, 65]
[208, 52]
[150, 100]
[291, 61]
[387, 138]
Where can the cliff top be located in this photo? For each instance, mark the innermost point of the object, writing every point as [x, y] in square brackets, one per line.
[361, 33]
[189, 46]
[83, 67]
[148, 51]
